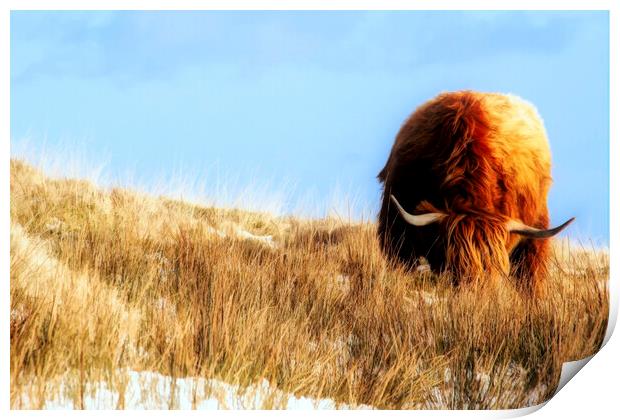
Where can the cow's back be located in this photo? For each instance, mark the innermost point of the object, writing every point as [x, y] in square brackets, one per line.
[520, 143]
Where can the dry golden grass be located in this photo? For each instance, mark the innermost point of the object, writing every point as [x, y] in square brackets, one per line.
[106, 282]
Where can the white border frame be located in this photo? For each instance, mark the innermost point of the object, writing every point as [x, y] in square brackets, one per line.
[594, 394]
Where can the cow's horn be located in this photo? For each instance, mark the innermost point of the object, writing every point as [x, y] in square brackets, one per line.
[522, 229]
[419, 219]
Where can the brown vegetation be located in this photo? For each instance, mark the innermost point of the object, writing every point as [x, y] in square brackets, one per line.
[108, 281]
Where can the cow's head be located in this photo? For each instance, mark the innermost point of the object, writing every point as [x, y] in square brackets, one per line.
[476, 244]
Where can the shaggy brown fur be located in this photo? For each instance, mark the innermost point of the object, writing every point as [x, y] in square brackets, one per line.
[482, 159]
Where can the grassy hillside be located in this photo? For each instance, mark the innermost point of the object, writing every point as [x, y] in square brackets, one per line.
[109, 282]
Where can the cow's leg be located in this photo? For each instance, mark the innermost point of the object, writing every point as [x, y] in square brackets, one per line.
[529, 265]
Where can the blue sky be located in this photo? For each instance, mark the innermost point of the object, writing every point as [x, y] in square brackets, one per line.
[304, 103]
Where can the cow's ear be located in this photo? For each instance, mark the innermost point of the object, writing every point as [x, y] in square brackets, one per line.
[418, 219]
[520, 228]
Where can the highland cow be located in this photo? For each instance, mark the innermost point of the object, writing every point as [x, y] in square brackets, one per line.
[465, 186]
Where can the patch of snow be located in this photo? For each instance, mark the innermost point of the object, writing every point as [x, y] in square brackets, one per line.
[151, 390]
[484, 380]
[423, 268]
[164, 305]
[512, 382]
[266, 239]
[215, 231]
[240, 233]
[422, 296]
[18, 314]
[54, 225]
[536, 395]
[342, 283]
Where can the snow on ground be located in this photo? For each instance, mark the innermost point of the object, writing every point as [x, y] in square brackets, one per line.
[515, 376]
[423, 268]
[230, 229]
[424, 298]
[151, 390]
[266, 239]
